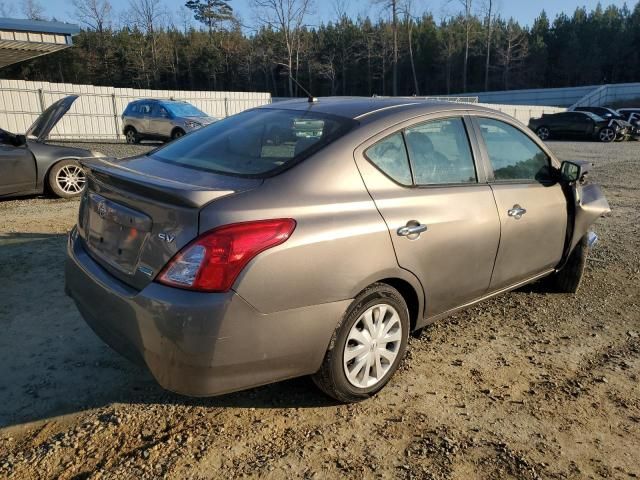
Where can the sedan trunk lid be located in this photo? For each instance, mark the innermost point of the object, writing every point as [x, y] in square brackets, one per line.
[136, 214]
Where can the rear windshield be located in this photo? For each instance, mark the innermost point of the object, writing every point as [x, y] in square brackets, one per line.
[184, 110]
[255, 143]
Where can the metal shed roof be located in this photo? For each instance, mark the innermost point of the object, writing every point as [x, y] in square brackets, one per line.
[26, 39]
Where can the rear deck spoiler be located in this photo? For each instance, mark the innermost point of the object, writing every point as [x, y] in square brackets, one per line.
[109, 172]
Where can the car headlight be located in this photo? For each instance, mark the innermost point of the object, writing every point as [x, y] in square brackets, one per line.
[97, 154]
[192, 124]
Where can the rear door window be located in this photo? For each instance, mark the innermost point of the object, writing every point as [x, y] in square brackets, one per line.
[144, 109]
[158, 111]
[390, 156]
[513, 155]
[440, 152]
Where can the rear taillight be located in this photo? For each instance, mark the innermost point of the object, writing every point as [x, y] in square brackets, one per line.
[213, 261]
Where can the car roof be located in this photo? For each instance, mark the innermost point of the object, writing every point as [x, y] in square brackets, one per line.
[360, 108]
[158, 100]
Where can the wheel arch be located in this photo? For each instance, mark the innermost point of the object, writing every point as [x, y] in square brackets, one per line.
[410, 296]
[45, 179]
[408, 286]
[175, 129]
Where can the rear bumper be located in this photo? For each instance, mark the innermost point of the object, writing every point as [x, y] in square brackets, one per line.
[198, 344]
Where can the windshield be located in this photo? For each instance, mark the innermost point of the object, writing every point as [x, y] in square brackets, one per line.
[594, 116]
[256, 142]
[180, 109]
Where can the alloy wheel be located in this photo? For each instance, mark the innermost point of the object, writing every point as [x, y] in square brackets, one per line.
[607, 135]
[543, 133]
[131, 136]
[372, 346]
[71, 179]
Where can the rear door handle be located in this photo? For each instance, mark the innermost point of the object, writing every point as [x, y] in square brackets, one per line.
[516, 212]
[412, 229]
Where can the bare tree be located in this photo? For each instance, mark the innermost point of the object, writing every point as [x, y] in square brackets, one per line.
[407, 9]
[95, 14]
[288, 17]
[33, 9]
[148, 16]
[489, 19]
[513, 51]
[467, 28]
[393, 6]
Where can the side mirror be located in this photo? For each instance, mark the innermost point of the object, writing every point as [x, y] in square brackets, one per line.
[20, 140]
[572, 172]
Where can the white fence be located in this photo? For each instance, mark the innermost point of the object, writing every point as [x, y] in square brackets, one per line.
[561, 97]
[97, 113]
[608, 94]
[523, 112]
[589, 95]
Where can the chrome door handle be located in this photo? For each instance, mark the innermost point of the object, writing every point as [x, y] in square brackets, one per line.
[516, 212]
[411, 230]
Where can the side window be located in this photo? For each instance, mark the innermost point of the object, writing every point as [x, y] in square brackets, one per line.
[440, 153]
[144, 108]
[159, 111]
[513, 155]
[390, 156]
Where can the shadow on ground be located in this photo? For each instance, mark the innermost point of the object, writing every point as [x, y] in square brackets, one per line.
[52, 364]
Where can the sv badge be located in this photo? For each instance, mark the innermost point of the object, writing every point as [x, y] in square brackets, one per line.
[166, 237]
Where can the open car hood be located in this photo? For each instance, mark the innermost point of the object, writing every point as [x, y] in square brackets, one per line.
[49, 118]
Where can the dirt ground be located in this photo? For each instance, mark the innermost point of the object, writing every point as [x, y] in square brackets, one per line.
[529, 385]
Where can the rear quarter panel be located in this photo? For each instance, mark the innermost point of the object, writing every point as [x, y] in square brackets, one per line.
[340, 245]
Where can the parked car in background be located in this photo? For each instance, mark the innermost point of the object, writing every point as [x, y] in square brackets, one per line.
[630, 114]
[312, 237]
[585, 125]
[152, 119]
[632, 126]
[29, 165]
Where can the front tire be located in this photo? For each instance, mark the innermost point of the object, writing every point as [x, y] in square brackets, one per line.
[367, 347]
[66, 179]
[607, 135]
[569, 278]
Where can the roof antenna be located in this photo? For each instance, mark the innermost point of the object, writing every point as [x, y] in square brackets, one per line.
[282, 70]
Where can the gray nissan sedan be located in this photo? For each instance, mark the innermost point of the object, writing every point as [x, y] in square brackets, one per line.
[311, 238]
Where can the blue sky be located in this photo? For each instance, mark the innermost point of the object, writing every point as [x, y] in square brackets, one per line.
[525, 11]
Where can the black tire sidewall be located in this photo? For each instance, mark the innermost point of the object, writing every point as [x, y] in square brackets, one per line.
[53, 184]
[177, 133]
[369, 298]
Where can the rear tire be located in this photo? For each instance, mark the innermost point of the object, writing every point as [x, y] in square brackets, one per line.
[131, 136]
[568, 279]
[543, 133]
[66, 179]
[177, 133]
[367, 347]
